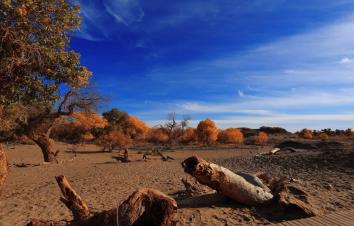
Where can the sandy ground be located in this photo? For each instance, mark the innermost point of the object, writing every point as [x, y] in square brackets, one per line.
[32, 192]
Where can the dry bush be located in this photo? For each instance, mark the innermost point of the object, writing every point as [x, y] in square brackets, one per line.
[231, 136]
[323, 136]
[188, 136]
[113, 140]
[306, 134]
[157, 136]
[137, 128]
[207, 132]
[262, 139]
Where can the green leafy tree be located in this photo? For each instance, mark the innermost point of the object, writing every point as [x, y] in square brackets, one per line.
[36, 61]
[118, 120]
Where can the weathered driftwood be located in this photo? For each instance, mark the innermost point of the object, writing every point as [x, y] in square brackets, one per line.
[3, 167]
[226, 182]
[147, 207]
[72, 200]
[144, 207]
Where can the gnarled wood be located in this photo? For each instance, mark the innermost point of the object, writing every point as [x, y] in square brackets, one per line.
[226, 182]
[147, 207]
[72, 200]
[3, 167]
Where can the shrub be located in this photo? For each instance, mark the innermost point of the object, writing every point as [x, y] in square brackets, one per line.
[231, 136]
[188, 136]
[262, 139]
[207, 132]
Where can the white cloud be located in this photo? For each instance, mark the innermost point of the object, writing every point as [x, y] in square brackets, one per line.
[345, 60]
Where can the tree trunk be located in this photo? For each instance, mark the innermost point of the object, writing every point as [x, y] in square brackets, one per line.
[3, 167]
[46, 145]
[226, 182]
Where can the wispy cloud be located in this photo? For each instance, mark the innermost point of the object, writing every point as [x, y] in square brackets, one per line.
[125, 11]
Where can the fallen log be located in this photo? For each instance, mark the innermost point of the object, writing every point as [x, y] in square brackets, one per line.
[226, 182]
[4, 171]
[144, 207]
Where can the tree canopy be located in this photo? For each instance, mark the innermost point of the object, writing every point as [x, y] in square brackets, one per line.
[35, 56]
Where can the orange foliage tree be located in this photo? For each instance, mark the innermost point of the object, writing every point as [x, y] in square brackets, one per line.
[86, 122]
[137, 128]
[207, 132]
[306, 133]
[113, 140]
[262, 138]
[188, 136]
[231, 136]
[157, 136]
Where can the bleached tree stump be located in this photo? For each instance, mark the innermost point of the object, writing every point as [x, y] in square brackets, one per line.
[226, 182]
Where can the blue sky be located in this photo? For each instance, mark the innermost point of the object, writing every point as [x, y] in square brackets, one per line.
[242, 63]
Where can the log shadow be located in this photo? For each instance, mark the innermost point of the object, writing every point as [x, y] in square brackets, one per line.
[207, 200]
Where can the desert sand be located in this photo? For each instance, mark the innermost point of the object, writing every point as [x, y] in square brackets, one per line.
[31, 190]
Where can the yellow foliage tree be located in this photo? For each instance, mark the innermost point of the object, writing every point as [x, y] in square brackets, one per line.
[113, 140]
[87, 120]
[137, 128]
[262, 139]
[231, 136]
[189, 136]
[207, 132]
[157, 135]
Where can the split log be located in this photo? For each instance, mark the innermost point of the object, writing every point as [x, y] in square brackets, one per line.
[147, 207]
[226, 182]
[72, 200]
[3, 167]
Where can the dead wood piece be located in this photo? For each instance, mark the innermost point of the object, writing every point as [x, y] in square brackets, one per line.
[147, 207]
[72, 200]
[4, 171]
[226, 182]
[165, 158]
[195, 189]
[122, 158]
[289, 200]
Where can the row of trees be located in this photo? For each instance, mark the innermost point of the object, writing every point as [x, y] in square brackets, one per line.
[117, 129]
[324, 134]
